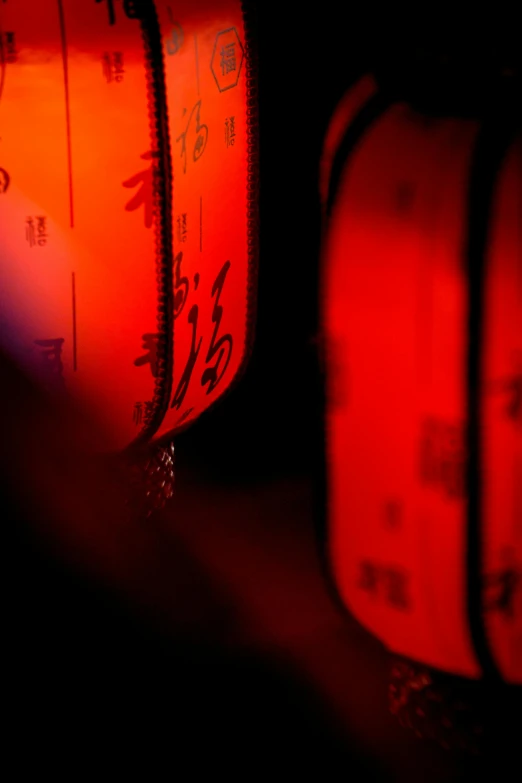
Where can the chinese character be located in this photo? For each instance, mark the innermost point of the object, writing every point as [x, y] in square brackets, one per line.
[181, 223]
[41, 230]
[142, 413]
[443, 457]
[501, 586]
[11, 53]
[181, 286]
[150, 344]
[52, 358]
[36, 230]
[199, 146]
[514, 406]
[107, 66]
[393, 514]
[201, 132]
[144, 195]
[5, 179]
[504, 584]
[132, 9]
[230, 131]
[175, 41]
[396, 588]
[453, 462]
[511, 387]
[368, 576]
[228, 58]
[220, 349]
[112, 66]
[119, 70]
[110, 9]
[184, 381]
[30, 233]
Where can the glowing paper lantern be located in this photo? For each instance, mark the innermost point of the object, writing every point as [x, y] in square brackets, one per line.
[422, 309]
[128, 196]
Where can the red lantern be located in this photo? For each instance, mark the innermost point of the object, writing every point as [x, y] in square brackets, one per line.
[422, 308]
[128, 207]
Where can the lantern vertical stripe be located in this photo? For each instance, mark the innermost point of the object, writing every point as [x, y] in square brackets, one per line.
[501, 422]
[252, 121]
[162, 195]
[491, 147]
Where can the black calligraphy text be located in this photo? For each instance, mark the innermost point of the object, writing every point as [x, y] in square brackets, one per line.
[196, 132]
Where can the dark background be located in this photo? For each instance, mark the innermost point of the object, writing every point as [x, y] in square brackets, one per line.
[217, 647]
[445, 59]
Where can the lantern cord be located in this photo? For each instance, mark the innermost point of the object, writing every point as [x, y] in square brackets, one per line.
[151, 482]
[437, 706]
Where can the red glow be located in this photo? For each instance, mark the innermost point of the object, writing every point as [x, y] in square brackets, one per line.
[77, 147]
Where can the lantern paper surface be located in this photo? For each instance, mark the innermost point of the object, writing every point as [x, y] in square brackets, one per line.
[396, 302]
[127, 205]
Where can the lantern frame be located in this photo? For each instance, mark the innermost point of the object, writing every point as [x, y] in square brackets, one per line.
[145, 11]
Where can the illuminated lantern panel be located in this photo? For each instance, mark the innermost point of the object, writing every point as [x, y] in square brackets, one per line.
[396, 302]
[128, 203]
